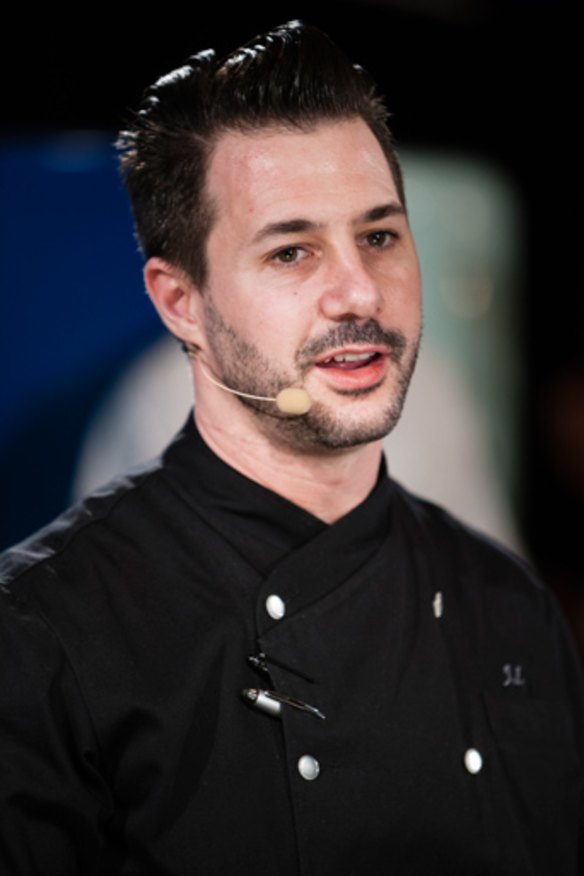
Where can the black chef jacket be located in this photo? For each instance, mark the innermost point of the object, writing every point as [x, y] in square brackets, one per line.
[452, 736]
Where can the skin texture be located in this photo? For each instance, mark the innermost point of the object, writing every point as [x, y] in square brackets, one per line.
[310, 257]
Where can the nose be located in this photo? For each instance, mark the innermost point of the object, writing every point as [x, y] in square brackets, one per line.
[351, 290]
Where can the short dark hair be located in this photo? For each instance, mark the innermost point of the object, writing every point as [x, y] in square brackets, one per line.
[293, 76]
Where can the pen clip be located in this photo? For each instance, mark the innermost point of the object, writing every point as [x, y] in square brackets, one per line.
[260, 661]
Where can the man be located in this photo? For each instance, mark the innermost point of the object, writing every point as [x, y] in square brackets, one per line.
[260, 655]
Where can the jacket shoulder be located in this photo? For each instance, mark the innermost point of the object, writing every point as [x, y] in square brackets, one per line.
[490, 581]
[427, 522]
[74, 531]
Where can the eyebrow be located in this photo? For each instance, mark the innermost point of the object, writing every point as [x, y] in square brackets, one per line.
[384, 211]
[290, 226]
[298, 226]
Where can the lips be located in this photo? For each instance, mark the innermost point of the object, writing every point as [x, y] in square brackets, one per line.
[352, 358]
[350, 371]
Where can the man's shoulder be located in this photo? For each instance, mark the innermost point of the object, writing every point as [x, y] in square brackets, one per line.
[133, 512]
[80, 527]
[452, 543]
[496, 597]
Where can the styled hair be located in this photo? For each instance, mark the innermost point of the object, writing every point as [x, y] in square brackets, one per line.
[293, 77]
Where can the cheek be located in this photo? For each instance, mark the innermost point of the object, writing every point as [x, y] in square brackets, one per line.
[271, 331]
[282, 320]
[403, 293]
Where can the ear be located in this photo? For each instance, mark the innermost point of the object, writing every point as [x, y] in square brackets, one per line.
[176, 298]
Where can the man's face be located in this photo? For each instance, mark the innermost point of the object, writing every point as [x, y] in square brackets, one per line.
[313, 281]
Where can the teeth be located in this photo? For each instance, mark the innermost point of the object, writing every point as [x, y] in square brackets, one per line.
[350, 357]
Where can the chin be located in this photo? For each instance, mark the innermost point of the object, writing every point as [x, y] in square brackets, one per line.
[324, 429]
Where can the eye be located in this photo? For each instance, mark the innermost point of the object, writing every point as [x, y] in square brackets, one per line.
[288, 255]
[380, 239]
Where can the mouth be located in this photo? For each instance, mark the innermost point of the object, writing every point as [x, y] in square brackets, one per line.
[349, 361]
[356, 370]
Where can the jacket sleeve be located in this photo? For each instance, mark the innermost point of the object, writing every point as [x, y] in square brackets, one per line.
[52, 796]
[575, 687]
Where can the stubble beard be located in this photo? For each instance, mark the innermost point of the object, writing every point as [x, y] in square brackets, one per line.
[242, 367]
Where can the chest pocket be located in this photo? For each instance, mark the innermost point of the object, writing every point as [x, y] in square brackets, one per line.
[537, 753]
[529, 722]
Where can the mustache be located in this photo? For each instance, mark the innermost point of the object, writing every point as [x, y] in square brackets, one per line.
[369, 332]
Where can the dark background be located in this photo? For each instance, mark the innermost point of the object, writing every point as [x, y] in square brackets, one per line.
[495, 79]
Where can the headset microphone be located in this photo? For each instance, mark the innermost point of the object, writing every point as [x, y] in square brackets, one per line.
[293, 401]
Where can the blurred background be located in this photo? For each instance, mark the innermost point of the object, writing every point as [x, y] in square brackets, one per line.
[483, 99]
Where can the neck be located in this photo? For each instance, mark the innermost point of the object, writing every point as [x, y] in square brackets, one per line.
[327, 485]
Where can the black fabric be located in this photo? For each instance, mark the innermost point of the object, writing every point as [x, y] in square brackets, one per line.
[260, 524]
[125, 744]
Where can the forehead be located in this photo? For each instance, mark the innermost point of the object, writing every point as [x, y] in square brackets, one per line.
[278, 170]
